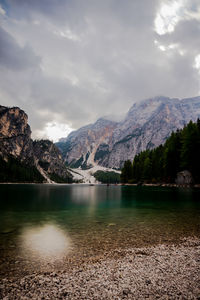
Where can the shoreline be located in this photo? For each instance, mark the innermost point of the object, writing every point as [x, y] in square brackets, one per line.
[109, 184]
[163, 185]
[156, 272]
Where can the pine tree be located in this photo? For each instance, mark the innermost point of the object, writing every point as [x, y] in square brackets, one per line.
[127, 172]
[180, 152]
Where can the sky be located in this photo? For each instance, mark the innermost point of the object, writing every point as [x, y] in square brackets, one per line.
[69, 62]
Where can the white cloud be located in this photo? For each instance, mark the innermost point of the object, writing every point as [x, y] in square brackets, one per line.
[67, 33]
[2, 11]
[168, 16]
[197, 62]
[162, 48]
[168, 48]
[54, 131]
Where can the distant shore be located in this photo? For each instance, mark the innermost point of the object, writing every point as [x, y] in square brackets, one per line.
[162, 185]
[112, 184]
[157, 272]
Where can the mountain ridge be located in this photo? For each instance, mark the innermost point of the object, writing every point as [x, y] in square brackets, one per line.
[146, 125]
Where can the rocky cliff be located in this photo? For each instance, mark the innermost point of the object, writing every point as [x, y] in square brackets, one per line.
[147, 124]
[48, 158]
[22, 159]
[86, 146]
[15, 135]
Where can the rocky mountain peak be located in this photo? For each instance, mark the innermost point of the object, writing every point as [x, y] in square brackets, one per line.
[147, 124]
[15, 134]
[102, 122]
[13, 122]
[85, 143]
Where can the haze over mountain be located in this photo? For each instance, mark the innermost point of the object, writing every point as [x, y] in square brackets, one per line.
[146, 125]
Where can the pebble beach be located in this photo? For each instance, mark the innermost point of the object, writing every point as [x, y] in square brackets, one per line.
[157, 272]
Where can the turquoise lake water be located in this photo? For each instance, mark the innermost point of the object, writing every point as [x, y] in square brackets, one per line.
[57, 223]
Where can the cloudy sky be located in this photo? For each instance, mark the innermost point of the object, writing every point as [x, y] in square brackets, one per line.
[68, 62]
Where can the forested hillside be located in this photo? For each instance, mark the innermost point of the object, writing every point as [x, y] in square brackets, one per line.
[13, 170]
[107, 177]
[181, 151]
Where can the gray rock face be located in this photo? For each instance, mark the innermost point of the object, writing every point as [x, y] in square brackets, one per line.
[89, 144]
[16, 142]
[15, 135]
[147, 125]
[49, 158]
[184, 178]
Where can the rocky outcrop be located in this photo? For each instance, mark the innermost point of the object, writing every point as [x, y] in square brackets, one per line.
[15, 135]
[88, 145]
[17, 148]
[184, 178]
[49, 158]
[147, 125]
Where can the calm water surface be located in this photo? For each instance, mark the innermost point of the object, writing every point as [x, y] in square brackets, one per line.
[60, 224]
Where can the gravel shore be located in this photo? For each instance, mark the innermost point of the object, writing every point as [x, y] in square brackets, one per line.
[158, 272]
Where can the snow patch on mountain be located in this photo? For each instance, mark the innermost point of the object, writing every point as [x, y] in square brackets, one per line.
[87, 176]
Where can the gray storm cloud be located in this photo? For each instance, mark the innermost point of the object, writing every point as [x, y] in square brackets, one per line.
[14, 57]
[74, 61]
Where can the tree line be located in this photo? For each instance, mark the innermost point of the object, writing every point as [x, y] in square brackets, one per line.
[107, 177]
[181, 151]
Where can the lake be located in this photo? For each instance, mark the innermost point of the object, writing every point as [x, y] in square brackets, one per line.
[51, 226]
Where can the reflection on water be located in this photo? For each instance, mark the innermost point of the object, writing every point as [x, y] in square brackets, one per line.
[45, 242]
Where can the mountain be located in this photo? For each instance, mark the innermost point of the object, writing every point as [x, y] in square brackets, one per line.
[25, 160]
[176, 161]
[87, 145]
[49, 161]
[147, 124]
[15, 135]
